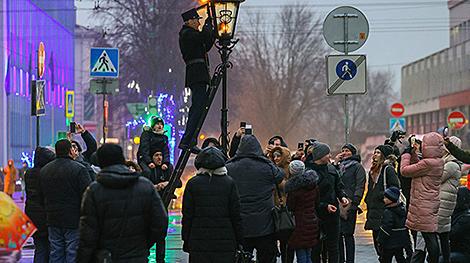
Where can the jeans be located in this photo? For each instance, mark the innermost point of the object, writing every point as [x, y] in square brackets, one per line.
[303, 255]
[388, 254]
[265, 248]
[331, 242]
[346, 242]
[199, 97]
[445, 246]
[63, 244]
[41, 250]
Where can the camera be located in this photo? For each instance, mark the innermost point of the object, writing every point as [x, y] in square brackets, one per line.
[73, 127]
[248, 130]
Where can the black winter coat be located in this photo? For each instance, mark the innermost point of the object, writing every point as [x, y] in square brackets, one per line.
[459, 233]
[91, 146]
[393, 233]
[331, 188]
[375, 195]
[150, 142]
[255, 176]
[121, 204]
[63, 182]
[194, 46]
[212, 225]
[34, 206]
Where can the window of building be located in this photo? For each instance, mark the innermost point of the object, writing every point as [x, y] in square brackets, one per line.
[428, 63]
[450, 54]
[467, 45]
[443, 57]
[459, 51]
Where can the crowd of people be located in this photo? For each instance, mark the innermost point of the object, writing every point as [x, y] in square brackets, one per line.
[92, 205]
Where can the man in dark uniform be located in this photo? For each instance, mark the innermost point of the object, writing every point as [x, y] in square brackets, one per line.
[194, 45]
[151, 140]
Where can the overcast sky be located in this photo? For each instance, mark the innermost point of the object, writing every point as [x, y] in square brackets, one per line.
[401, 31]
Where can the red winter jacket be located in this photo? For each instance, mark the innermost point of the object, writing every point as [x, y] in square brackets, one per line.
[425, 186]
[304, 202]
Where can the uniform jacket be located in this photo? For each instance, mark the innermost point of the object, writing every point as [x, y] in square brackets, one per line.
[150, 142]
[375, 195]
[211, 222]
[448, 192]
[426, 183]
[121, 203]
[303, 199]
[255, 176]
[194, 46]
[62, 183]
[34, 207]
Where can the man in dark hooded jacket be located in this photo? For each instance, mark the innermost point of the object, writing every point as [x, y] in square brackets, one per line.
[34, 206]
[121, 212]
[212, 225]
[255, 176]
[84, 157]
[353, 176]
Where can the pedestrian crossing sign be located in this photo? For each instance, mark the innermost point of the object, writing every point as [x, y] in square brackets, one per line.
[104, 62]
[397, 124]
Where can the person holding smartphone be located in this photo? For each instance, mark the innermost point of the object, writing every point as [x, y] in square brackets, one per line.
[236, 139]
[83, 157]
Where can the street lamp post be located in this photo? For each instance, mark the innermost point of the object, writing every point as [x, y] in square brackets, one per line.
[224, 15]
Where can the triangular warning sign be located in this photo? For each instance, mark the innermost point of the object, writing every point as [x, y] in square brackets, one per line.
[397, 126]
[104, 64]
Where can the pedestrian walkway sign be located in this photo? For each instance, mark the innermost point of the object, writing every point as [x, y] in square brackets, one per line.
[397, 124]
[347, 74]
[104, 62]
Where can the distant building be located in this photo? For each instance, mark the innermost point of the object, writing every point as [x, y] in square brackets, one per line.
[24, 24]
[86, 111]
[438, 84]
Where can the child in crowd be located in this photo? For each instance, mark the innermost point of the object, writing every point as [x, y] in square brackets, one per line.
[393, 235]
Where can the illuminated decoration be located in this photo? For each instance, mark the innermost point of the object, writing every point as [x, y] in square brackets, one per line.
[166, 109]
[26, 158]
[136, 140]
[202, 137]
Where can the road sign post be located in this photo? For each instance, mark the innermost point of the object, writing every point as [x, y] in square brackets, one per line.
[346, 29]
[104, 65]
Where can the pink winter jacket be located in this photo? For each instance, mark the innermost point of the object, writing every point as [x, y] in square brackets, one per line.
[426, 181]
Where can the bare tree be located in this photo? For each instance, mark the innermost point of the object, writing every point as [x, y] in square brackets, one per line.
[279, 74]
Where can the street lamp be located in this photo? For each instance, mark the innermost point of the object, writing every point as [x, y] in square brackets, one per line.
[224, 15]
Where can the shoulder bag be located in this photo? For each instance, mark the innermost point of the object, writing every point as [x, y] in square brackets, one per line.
[284, 223]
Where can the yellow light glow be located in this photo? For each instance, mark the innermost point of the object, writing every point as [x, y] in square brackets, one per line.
[224, 28]
[202, 137]
[136, 140]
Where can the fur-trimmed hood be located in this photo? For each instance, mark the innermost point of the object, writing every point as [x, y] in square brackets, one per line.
[308, 178]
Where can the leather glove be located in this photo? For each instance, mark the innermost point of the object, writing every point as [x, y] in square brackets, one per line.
[408, 150]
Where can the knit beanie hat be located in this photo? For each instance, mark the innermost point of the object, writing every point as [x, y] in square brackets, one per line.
[392, 193]
[456, 141]
[110, 154]
[319, 150]
[156, 120]
[296, 167]
[386, 150]
[210, 158]
[350, 147]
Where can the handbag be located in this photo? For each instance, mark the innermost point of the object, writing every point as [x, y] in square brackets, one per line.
[402, 196]
[344, 210]
[103, 255]
[284, 223]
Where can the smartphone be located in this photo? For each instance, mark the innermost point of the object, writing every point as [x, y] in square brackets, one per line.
[248, 130]
[243, 124]
[300, 145]
[412, 140]
[73, 127]
[445, 132]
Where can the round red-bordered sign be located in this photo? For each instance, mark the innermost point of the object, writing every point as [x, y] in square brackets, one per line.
[397, 110]
[456, 120]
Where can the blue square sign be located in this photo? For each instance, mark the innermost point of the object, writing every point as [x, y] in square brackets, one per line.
[104, 62]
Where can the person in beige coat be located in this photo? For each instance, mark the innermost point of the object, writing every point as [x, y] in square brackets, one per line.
[448, 198]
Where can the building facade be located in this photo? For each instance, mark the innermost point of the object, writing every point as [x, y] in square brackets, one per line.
[24, 24]
[438, 84]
